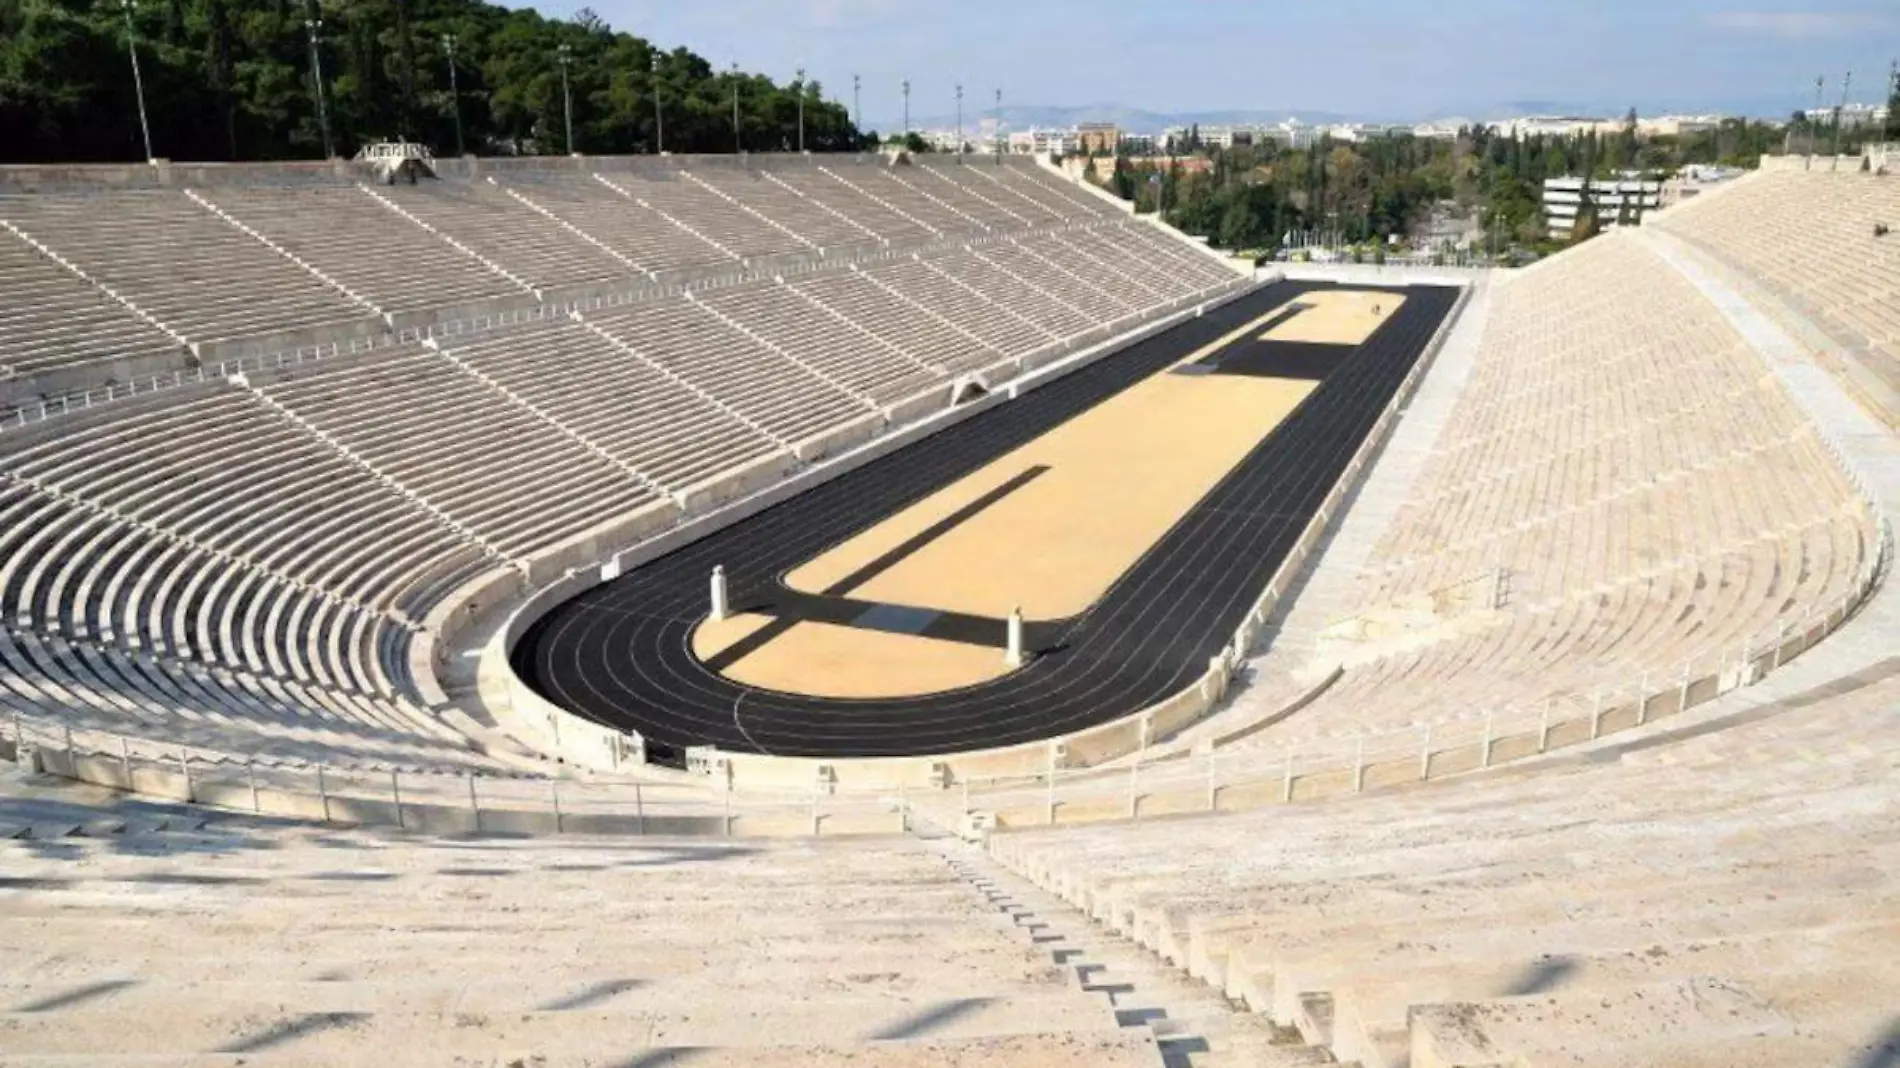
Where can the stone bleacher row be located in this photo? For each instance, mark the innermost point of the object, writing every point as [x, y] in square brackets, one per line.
[1725, 900]
[1596, 460]
[1810, 236]
[326, 947]
[126, 278]
[245, 565]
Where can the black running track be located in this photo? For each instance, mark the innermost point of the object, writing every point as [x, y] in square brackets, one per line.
[620, 654]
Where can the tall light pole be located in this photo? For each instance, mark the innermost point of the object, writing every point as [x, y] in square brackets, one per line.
[314, 27]
[857, 105]
[959, 121]
[906, 112]
[455, 93]
[1820, 83]
[738, 142]
[566, 55]
[1846, 84]
[659, 117]
[801, 110]
[999, 126]
[138, 79]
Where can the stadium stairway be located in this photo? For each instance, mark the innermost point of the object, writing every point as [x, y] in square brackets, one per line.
[1721, 893]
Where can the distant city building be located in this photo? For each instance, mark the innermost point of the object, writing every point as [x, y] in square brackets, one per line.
[1097, 138]
[1134, 144]
[1039, 141]
[1438, 131]
[1616, 200]
[1677, 125]
[1853, 116]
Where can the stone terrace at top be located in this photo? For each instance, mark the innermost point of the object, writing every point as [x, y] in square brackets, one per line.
[127, 272]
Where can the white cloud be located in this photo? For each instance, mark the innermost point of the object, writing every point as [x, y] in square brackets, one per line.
[1800, 24]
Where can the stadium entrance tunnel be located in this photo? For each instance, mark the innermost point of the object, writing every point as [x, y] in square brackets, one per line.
[1131, 511]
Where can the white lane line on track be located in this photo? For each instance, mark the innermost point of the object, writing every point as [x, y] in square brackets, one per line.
[735, 722]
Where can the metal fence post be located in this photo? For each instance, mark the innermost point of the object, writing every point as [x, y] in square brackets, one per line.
[474, 805]
[184, 765]
[1484, 760]
[250, 775]
[323, 794]
[1213, 780]
[1543, 726]
[1781, 634]
[1359, 765]
[1682, 699]
[554, 796]
[1596, 713]
[727, 807]
[125, 761]
[639, 810]
[1286, 784]
[1425, 754]
[395, 794]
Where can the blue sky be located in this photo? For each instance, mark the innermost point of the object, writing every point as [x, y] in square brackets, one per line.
[1396, 58]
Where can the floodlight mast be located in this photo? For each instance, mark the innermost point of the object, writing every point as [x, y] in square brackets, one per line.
[659, 117]
[138, 79]
[959, 122]
[566, 56]
[455, 93]
[314, 27]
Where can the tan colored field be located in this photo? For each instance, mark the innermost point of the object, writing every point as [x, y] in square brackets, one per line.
[824, 660]
[1118, 477]
[1337, 317]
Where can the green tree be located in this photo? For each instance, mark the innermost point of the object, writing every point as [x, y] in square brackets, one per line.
[231, 79]
[1892, 130]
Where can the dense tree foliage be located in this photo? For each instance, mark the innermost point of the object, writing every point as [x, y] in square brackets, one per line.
[1892, 132]
[231, 79]
[1253, 196]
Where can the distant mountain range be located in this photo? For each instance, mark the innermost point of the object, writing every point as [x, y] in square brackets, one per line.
[1023, 116]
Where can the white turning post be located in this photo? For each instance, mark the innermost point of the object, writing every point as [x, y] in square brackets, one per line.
[721, 608]
[1014, 656]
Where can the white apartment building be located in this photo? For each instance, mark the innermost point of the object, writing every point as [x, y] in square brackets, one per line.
[1630, 196]
[1038, 141]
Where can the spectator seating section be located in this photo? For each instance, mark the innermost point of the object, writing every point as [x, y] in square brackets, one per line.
[124, 280]
[56, 319]
[357, 242]
[1713, 898]
[318, 946]
[221, 541]
[1597, 489]
[244, 565]
[1809, 237]
[183, 266]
